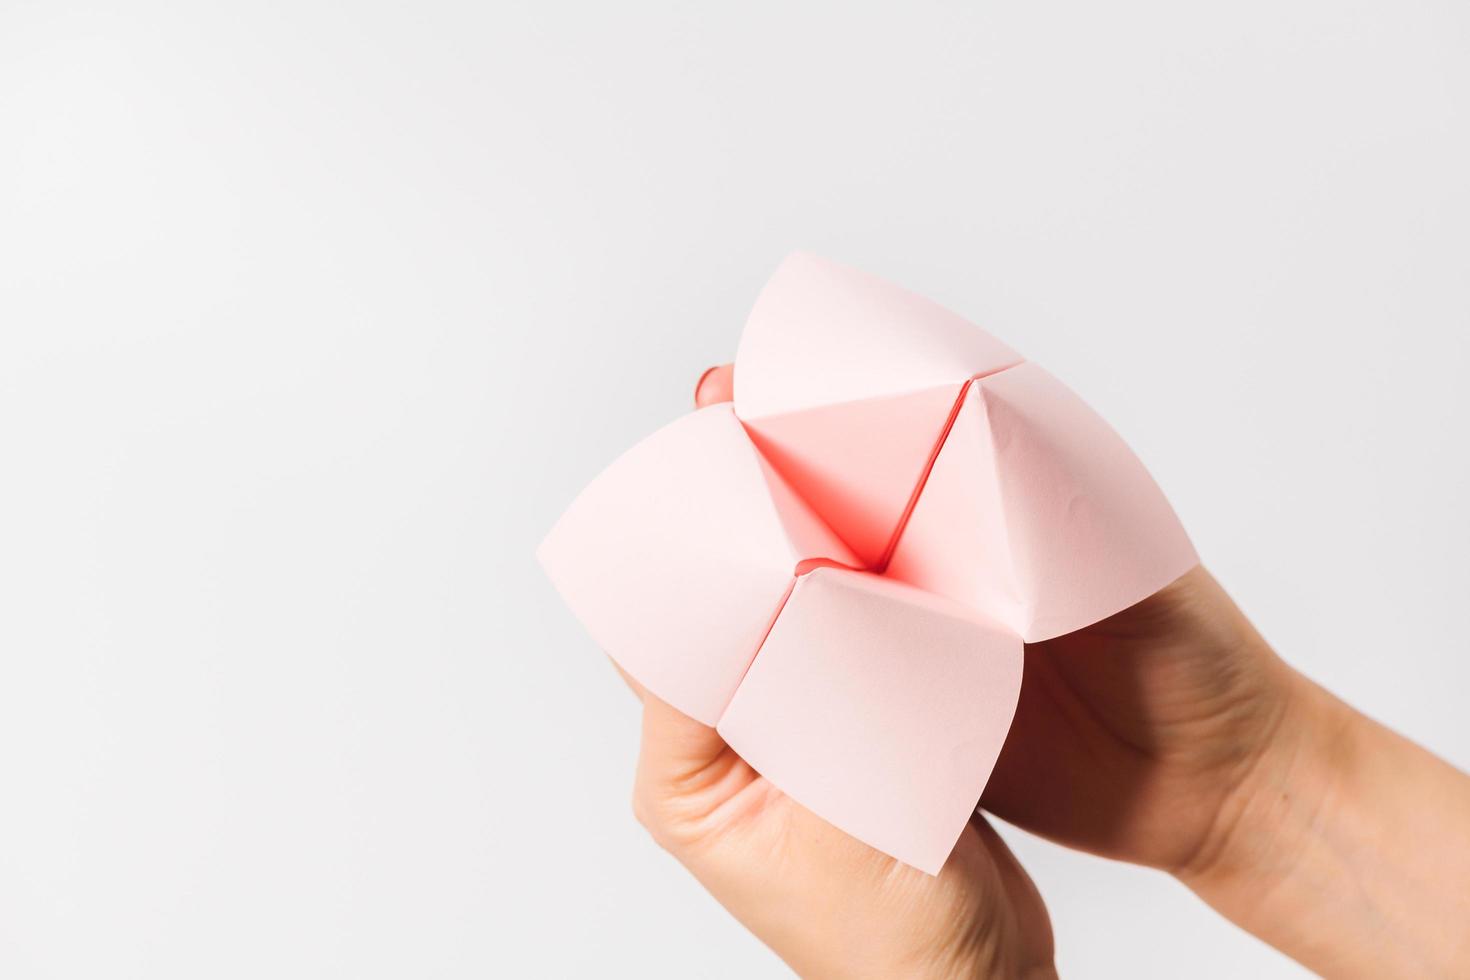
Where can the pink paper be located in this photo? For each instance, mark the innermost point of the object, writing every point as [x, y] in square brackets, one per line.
[861, 459]
[828, 709]
[974, 499]
[678, 556]
[1073, 526]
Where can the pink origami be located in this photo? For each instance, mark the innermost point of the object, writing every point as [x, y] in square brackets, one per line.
[839, 570]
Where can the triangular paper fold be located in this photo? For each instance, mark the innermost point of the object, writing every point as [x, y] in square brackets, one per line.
[862, 460]
[956, 542]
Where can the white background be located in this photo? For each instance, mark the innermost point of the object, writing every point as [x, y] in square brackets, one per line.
[313, 317]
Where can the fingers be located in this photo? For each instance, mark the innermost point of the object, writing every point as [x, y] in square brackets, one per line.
[673, 743]
[715, 385]
[1034, 947]
[685, 772]
[676, 748]
[679, 753]
[685, 769]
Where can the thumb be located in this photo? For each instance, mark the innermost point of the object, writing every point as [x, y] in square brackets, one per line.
[674, 745]
[679, 755]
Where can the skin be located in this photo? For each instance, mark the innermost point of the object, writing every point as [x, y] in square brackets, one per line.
[827, 904]
[1170, 735]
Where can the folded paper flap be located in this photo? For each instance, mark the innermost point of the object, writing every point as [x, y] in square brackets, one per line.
[1090, 531]
[881, 708]
[677, 556]
[956, 540]
[821, 334]
[1037, 513]
[859, 463]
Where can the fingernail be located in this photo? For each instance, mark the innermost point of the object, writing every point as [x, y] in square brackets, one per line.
[715, 385]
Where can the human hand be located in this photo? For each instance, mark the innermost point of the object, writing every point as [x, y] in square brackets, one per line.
[1172, 735]
[829, 905]
[1147, 736]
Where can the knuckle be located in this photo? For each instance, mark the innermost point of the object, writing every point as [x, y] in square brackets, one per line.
[654, 817]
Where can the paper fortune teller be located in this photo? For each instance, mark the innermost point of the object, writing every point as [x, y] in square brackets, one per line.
[839, 569]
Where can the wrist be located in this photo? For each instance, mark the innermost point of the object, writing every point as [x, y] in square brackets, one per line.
[1327, 851]
[1266, 858]
[1273, 811]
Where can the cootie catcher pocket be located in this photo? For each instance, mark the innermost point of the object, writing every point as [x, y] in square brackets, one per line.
[839, 569]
